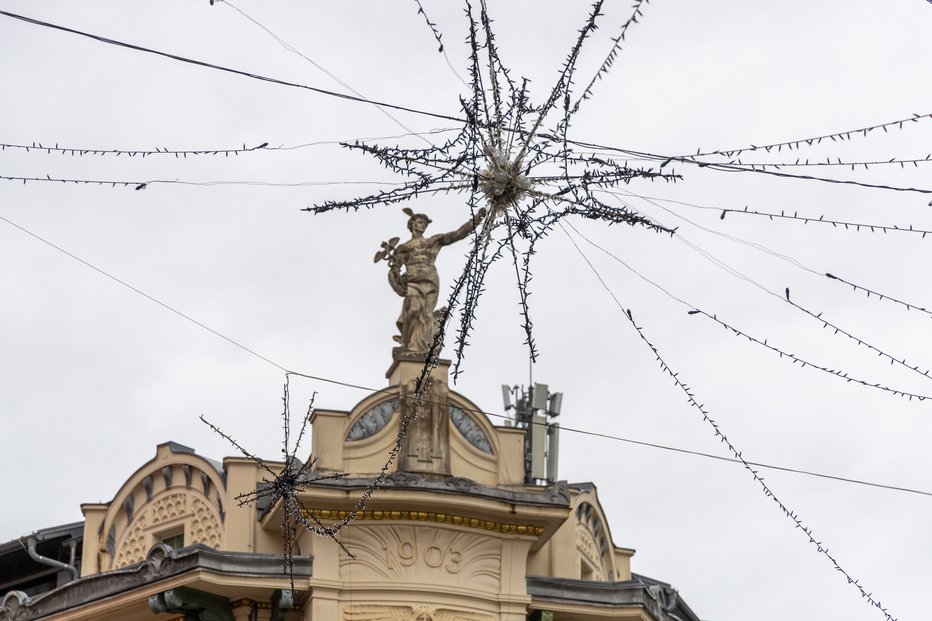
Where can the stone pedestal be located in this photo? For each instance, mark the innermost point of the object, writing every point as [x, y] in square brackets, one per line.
[425, 448]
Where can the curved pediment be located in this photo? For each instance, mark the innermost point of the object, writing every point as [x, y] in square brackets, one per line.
[175, 498]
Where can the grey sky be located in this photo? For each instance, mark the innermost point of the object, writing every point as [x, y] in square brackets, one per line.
[94, 376]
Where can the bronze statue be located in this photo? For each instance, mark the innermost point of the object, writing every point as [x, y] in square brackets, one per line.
[419, 284]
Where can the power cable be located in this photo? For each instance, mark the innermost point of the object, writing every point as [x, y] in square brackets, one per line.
[691, 398]
[142, 185]
[247, 74]
[184, 153]
[370, 389]
[299, 53]
[663, 158]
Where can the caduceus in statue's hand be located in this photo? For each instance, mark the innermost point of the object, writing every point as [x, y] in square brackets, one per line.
[419, 283]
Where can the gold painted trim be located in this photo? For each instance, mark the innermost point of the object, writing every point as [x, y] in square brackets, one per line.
[426, 516]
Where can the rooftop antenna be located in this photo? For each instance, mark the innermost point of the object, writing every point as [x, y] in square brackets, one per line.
[534, 410]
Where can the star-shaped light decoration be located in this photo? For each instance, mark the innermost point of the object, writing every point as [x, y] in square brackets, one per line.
[504, 158]
[284, 484]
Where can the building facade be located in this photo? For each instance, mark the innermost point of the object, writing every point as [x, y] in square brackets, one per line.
[454, 532]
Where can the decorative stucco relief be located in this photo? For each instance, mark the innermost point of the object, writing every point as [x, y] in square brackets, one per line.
[587, 548]
[202, 526]
[470, 429]
[205, 528]
[423, 555]
[379, 612]
[591, 541]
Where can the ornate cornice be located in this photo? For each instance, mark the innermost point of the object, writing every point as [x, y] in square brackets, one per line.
[557, 495]
[161, 563]
[428, 516]
[658, 598]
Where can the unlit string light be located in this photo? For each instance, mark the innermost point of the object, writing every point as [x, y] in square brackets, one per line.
[491, 161]
[761, 248]
[724, 211]
[805, 363]
[816, 140]
[433, 26]
[37, 147]
[374, 390]
[284, 484]
[693, 310]
[878, 295]
[691, 399]
[866, 165]
[847, 225]
[438, 37]
[613, 53]
[862, 343]
[179, 153]
[142, 185]
[666, 159]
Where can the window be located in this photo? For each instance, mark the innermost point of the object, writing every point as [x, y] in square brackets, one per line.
[175, 541]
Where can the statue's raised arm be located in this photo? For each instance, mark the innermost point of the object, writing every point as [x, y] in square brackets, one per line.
[445, 239]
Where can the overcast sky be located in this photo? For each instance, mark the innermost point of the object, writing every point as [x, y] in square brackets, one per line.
[94, 375]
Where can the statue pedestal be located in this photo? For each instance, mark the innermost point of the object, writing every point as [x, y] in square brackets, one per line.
[408, 367]
[425, 449]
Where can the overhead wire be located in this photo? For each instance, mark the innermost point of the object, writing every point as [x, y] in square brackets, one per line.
[716, 428]
[583, 33]
[240, 72]
[762, 248]
[317, 65]
[784, 299]
[357, 386]
[694, 310]
[184, 153]
[142, 185]
[815, 140]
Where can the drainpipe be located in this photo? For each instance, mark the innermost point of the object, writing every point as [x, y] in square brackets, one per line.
[31, 542]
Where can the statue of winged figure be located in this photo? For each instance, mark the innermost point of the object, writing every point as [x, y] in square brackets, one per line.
[412, 274]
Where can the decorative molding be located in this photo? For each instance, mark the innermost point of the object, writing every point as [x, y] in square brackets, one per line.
[422, 612]
[160, 563]
[625, 595]
[373, 420]
[591, 540]
[555, 495]
[423, 555]
[469, 429]
[403, 479]
[461, 484]
[203, 527]
[15, 607]
[428, 516]
[587, 549]
[128, 505]
[111, 540]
